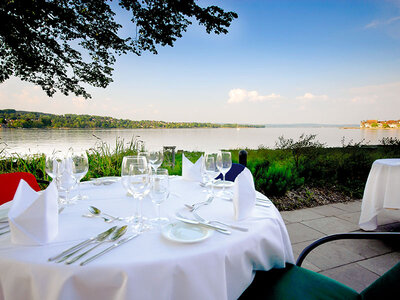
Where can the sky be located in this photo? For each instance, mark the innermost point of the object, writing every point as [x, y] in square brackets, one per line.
[329, 62]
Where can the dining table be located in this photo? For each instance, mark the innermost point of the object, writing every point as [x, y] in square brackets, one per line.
[156, 264]
[382, 191]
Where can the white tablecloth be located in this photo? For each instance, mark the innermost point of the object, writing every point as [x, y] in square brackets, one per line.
[382, 190]
[149, 266]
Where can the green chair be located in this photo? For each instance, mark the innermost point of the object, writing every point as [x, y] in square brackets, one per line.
[294, 282]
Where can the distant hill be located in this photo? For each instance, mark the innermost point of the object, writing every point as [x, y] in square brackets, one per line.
[12, 118]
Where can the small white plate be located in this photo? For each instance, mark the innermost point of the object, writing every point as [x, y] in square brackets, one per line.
[105, 180]
[220, 184]
[185, 233]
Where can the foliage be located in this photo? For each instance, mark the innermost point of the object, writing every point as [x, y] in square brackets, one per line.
[390, 141]
[305, 144]
[344, 169]
[60, 44]
[23, 119]
[276, 178]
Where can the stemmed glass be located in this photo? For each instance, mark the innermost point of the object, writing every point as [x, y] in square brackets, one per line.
[127, 161]
[210, 168]
[155, 158]
[139, 186]
[80, 166]
[55, 165]
[224, 163]
[159, 192]
[67, 180]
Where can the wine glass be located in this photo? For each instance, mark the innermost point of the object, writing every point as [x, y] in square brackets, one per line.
[66, 179]
[155, 158]
[127, 161]
[159, 192]
[80, 166]
[139, 186]
[210, 168]
[54, 166]
[224, 163]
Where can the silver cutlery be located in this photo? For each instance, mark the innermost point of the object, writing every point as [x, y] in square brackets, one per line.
[201, 219]
[4, 226]
[193, 207]
[107, 220]
[1, 233]
[194, 222]
[117, 234]
[83, 244]
[115, 245]
[97, 212]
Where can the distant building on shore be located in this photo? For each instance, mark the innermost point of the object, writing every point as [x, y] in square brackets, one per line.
[380, 124]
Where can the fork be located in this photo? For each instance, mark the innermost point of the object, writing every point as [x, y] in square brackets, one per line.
[195, 206]
[201, 219]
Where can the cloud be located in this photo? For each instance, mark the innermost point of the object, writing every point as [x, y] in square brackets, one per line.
[307, 97]
[387, 92]
[377, 23]
[242, 95]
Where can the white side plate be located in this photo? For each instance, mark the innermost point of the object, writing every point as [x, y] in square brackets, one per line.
[185, 233]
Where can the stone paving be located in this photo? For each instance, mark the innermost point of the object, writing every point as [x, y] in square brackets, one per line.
[355, 263]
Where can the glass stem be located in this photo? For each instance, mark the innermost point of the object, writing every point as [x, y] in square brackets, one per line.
[223, 183]
[158, 212]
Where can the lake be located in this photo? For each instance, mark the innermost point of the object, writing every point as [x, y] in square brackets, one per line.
[29, 141]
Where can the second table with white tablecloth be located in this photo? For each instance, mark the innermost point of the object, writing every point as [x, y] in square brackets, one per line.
[149, 266]
[382, 190]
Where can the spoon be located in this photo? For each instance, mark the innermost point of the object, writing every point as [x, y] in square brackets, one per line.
[116, 235]
[67, 253]
[97, 212]
[107, 220]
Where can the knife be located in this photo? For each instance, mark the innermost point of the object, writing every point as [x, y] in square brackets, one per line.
[189, 221]
[115, 245]
[76, 248]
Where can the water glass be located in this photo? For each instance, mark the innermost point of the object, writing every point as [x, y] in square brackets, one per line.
[159, 192]
[211, 170]
[80, 167]
[127, 161]
[224, 164]
[66, 180]
[139, 186]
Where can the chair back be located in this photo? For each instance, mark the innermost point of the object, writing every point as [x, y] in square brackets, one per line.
[233, 172]
[9, 183]
[385, 287]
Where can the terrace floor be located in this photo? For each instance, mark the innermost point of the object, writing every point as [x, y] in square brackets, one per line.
[355, 263]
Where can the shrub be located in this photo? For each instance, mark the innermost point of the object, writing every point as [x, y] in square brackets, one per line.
[276, 178]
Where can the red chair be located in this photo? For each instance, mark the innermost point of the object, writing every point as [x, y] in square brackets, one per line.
[9, 183]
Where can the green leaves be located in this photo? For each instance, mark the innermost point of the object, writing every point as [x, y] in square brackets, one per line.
[60, 45]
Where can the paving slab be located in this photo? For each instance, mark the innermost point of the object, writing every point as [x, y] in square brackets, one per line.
[328, 210]
[353, 217]
[353, 275]
[328, 255]
[300, 233]
[330, 225]
[300, 215]
[380, 264]
[349, 206]
[365, 248]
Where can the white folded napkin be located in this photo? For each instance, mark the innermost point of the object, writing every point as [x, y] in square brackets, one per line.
[244, 195]
[191, 171]
[33, 217]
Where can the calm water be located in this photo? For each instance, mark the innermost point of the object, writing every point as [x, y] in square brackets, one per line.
[29, 141]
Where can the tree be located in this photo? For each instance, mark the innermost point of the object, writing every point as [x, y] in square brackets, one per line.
[60, 44]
